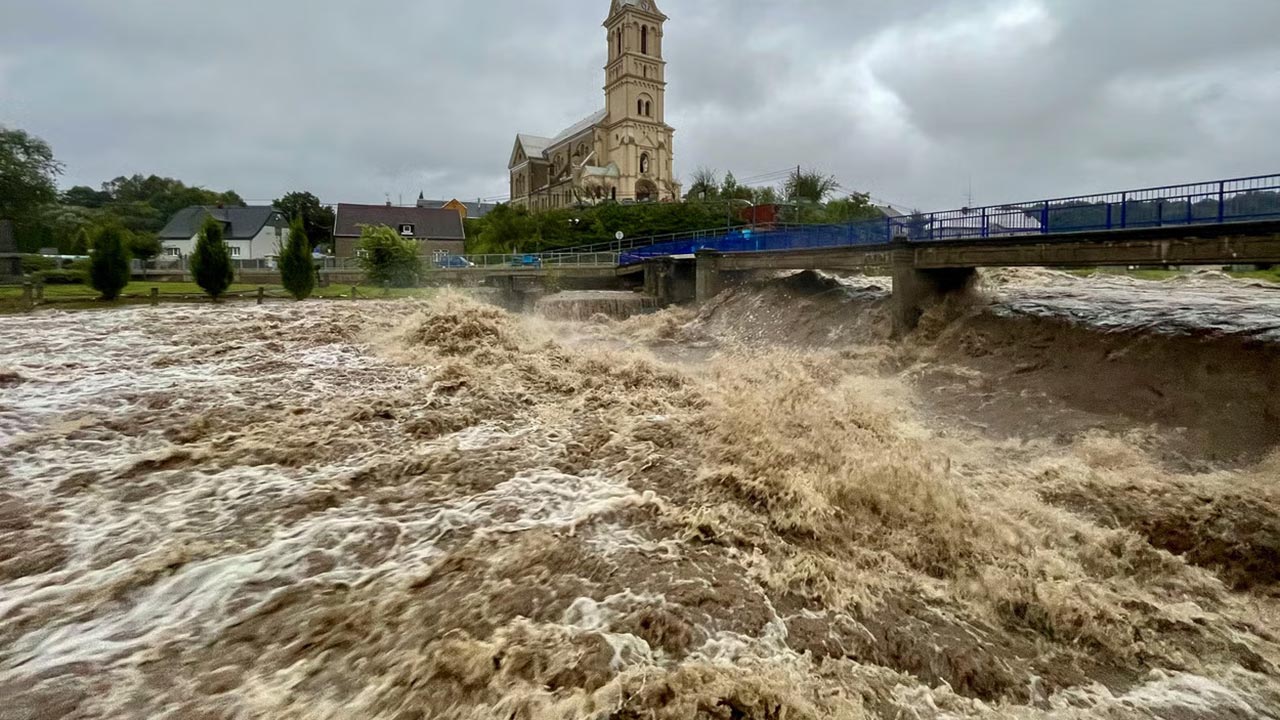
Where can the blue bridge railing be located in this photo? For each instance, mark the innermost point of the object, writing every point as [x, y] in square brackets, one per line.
[1210, 203]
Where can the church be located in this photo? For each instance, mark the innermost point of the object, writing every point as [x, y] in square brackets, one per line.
[621, 153]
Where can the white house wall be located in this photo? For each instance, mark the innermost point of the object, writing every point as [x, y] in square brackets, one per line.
[264, 245]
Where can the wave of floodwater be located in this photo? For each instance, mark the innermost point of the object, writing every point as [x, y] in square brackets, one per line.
[411, 510]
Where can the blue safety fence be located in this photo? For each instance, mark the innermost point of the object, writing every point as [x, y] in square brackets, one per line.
[1248, 199]
[747, 240]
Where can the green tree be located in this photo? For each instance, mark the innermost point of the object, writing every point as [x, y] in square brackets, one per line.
[317, 218]
[85, 197]
[810, 186]
[28, 174]
[57, 225]
[731, 190]
[109, 262]
[211, 260]
[505, 229]
[765, 196]
[145, 203]
[705, 185]
[145, 247]
[388, 258]
[855, 208]
[81, 243]
[297, 271]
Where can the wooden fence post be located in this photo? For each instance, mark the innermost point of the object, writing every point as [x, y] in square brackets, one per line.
[353, 292]
[155, 296]
[262, 294]
[39, 288]
[27, 299]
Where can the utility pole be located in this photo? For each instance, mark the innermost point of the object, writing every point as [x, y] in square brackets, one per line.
[796, 196]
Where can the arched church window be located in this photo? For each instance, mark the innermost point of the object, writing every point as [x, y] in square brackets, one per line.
[619, 42]
[644, 40]
[644, 162]
[648, 109]
[639, 107]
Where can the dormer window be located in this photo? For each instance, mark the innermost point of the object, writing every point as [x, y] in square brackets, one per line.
[406, 230]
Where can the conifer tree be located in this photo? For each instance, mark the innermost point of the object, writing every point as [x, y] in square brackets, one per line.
[109, 262]
[211, 261]
[297, 271]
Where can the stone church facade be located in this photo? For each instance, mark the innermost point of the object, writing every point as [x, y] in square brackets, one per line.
[623, 152]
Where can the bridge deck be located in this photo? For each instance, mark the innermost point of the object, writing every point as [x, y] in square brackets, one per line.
[1231, 243]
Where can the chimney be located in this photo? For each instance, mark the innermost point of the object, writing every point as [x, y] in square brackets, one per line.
[388, 203]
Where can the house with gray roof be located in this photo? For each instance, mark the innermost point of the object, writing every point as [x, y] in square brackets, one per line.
[470, 210]
[437, 231]
[251, 233]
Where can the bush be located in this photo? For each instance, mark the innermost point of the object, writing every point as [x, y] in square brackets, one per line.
[388, 258]
[37, 263]
[61, 277]
[211, 260]
[297, 271]
[109, 262]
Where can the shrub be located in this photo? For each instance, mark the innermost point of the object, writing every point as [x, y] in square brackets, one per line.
[388, 258]
[61, 277]
[211, 261]
[37, 263]
[297, 271]
[109, 262]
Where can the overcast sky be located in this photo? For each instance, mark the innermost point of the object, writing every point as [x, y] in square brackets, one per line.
[910, 100]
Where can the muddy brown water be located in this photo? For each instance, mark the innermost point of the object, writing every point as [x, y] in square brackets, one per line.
[759, 510]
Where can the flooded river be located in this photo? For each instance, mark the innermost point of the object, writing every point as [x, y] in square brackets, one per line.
[1037, 507]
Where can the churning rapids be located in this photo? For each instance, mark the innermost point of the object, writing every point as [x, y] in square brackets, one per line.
[1036, 507]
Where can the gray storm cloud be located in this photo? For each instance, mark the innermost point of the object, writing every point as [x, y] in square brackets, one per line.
[910, 100]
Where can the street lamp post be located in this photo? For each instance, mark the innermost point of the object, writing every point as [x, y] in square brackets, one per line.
[728, 203]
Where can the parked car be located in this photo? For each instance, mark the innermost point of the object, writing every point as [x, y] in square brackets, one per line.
[453, 262]
[526, 261]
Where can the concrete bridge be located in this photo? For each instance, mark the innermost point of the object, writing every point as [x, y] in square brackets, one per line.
[924, 273]
[1224, 222]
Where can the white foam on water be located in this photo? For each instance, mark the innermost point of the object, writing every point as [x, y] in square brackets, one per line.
[1180, 695]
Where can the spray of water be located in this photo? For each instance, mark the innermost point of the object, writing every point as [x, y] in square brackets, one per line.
[441, 510]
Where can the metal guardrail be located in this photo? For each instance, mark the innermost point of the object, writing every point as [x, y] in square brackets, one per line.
[528, 261]
[1213, 203]
[1209, 203]
[620, 246]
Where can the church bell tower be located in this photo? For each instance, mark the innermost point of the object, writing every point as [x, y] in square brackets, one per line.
[638, 137]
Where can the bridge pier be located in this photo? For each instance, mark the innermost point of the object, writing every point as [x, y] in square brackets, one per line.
[669, 280]
[708, 279]
[915, 290]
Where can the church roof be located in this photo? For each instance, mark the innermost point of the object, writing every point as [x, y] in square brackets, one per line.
[534, 145]
[586, 123]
